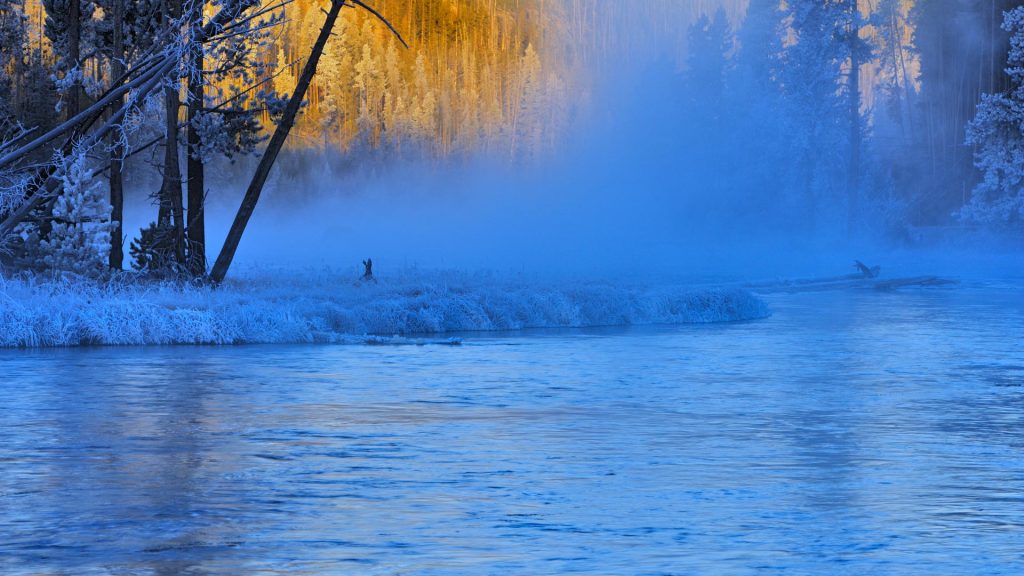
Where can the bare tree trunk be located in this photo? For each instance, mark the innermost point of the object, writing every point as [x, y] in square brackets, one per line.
[855, 127]
[259, 179]
[117, 150]
[170, 212]
[196, 229]
[74, 56]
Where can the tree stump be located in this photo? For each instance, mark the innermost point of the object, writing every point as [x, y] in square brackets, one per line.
[368, 271]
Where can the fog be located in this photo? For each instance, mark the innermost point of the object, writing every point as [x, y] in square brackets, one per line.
[613, 199]
[638, 186]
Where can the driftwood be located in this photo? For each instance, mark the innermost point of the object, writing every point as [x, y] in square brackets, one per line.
[915, 281]
[865, 271]
[867, 277]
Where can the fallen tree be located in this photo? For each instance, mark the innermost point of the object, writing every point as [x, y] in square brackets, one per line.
[125, 94]
[35, 185]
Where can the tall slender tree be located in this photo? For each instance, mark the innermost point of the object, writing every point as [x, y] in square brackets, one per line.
[853, 89]
[812, 83]
[171, 210]
[12, 38]
[196, 227]
[117, 149]
[68, 24]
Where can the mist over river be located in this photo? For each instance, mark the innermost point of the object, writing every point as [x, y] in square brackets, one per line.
[852, 432]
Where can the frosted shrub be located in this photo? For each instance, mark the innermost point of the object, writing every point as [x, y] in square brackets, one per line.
[78, 239]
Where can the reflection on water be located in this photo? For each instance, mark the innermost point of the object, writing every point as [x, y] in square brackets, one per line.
[850, 433]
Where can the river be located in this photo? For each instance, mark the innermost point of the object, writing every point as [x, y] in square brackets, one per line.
[852, 432]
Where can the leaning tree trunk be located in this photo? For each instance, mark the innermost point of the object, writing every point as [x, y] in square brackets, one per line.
[259, 179]
[117, 149]
[196, 229]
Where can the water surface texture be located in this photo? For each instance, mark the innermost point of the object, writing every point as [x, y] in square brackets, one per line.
[850, 433]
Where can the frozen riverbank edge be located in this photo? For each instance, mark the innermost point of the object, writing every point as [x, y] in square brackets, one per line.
[331, 308]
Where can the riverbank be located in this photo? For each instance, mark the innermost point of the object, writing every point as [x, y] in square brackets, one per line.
[331, 307]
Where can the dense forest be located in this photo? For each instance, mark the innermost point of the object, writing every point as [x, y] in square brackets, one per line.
[857, 115]
[887, 116]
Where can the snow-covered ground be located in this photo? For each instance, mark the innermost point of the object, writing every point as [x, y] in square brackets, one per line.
[267, 307]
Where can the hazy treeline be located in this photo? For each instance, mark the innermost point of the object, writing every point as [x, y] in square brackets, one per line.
[828, 116]
[775, 117]
[962, 51]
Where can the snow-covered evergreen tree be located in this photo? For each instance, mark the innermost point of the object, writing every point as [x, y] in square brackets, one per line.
[815, 108]
[78, 238]
[532, 102]
[998, 133]
[757, 138]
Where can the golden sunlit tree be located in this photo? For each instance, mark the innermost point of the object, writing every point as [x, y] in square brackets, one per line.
[478, 75]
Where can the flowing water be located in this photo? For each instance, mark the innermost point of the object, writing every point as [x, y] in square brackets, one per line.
[852, 432]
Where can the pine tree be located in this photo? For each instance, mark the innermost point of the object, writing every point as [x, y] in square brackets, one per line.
[707, 66]
[814, 106]
[754, 124]
[956, 68]
[998, 133]
[760, 48]
[527, 123]
[78, 239]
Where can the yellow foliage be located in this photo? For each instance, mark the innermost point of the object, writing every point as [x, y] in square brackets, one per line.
[478, 74]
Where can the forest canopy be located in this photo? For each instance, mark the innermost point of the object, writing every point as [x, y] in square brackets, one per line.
[840, 117]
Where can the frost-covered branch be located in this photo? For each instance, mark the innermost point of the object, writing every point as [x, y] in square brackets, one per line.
[52, 183]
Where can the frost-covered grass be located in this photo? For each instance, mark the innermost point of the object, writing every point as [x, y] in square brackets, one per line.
[330, 307]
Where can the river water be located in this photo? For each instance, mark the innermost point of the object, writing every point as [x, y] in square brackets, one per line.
[852, 432]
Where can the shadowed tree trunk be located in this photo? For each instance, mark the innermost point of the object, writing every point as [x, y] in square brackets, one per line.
[75, 56]
[117, 150]
[170, 212]
[855, 128]
[196, 228]
[259, 179]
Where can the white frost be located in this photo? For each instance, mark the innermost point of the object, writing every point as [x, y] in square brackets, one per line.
[331, 307]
